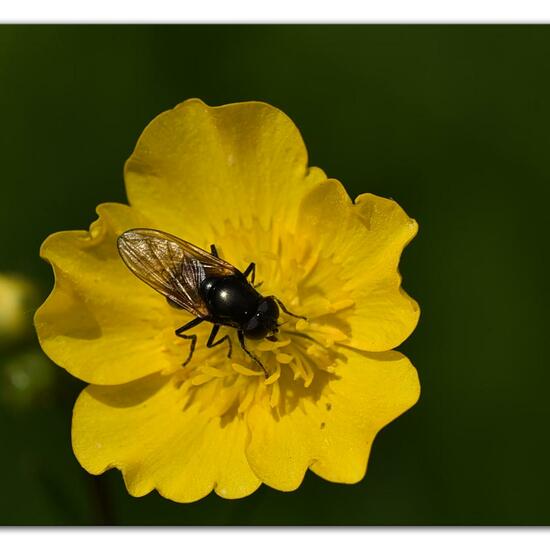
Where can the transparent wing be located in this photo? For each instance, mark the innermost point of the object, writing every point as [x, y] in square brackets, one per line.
[171, 266]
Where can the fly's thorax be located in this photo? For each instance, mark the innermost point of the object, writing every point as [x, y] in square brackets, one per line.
[231, 299]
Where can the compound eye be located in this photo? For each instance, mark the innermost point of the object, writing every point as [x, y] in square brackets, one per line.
[268, 308]
[255, 329]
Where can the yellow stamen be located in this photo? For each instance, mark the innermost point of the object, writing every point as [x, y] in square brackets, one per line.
[200, 379]
[246, 371]
[266, 345]
[275, 376]
[283, 358]
[213, 372]
[275, 395]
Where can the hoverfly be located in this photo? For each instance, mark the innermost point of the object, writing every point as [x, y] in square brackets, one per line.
[203, 284]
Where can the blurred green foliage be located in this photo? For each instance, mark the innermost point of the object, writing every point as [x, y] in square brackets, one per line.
[451, 121]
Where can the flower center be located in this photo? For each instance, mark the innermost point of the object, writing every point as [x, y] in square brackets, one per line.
[305, 355]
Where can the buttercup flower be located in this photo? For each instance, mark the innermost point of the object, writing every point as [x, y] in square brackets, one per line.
[18, 297]
[235, 176]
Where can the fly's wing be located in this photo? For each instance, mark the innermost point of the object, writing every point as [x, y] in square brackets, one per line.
[171, 266]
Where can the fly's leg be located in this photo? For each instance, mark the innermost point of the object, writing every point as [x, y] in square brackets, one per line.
[211, 343]
[251, 269]
[282, 306]
[249, 353]
[192, 337]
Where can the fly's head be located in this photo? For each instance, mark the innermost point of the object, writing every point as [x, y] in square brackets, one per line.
[264, 322]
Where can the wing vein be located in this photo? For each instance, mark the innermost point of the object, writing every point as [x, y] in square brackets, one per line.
[173, 267]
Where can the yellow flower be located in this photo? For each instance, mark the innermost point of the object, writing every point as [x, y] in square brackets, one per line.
[236, 176]
[18, 298]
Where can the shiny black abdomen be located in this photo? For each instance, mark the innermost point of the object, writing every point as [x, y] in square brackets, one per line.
[230, 300]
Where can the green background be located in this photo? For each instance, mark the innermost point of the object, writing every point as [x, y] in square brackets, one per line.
[451, 121]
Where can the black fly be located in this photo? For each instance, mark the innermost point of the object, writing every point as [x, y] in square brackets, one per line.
[203, 284]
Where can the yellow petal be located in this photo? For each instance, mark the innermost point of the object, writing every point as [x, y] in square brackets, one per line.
[282, 447]
[100, 322]
[332, 432]
[359, 250]
[196, 166]
[372, 390]
[143, 429]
